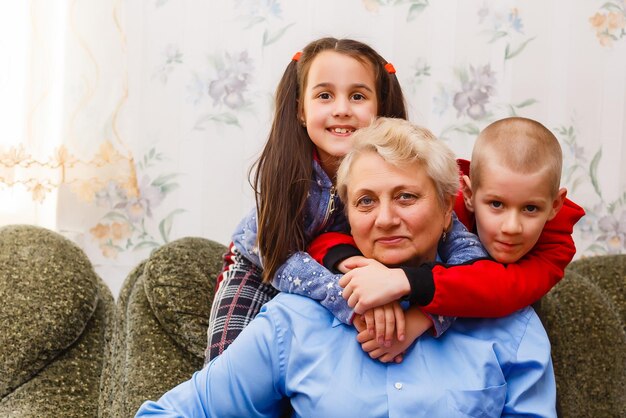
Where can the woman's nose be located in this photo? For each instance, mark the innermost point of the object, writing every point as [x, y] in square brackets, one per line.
[512, 223]
[386, 216]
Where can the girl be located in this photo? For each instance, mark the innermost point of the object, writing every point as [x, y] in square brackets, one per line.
[329, 90]
[332, 88]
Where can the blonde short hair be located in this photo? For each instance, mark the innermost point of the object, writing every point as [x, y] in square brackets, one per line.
[399, 143]
[521, 144]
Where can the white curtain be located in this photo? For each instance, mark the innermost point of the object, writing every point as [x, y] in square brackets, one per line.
[144, 116]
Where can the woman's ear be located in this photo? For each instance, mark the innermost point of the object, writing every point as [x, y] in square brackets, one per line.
[466, 187]
[448, 212]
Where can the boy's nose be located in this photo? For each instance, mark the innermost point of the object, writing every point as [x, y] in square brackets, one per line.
[512, 223]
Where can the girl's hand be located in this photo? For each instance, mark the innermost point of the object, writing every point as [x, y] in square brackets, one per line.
[383, 321]
[395, 352]
[417, 324]
[369, 284]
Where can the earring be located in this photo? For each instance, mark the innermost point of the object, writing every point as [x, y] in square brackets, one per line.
[303, 123]
[444, 236]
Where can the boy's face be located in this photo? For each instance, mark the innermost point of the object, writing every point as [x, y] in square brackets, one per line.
[511, 210]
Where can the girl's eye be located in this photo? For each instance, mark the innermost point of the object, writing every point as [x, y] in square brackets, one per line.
[324, 96]
[495, 204]
[358, 97]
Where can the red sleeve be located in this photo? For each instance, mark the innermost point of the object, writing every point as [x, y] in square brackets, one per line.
[322, 243]
[489, 289]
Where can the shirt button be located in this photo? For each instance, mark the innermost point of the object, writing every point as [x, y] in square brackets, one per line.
[398, 385]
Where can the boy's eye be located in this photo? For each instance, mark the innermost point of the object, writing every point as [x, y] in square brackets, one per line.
[495, 204]
[531, 208]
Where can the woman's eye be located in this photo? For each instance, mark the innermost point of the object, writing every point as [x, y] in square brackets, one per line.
[495, 204]
[407, 198]
[364, 202]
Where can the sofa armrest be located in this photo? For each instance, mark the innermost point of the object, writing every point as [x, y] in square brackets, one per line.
[584, 318]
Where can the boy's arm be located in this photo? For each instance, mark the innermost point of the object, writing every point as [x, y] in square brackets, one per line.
[458, 246]
[331, 248]
[486, 288]
[302, 275]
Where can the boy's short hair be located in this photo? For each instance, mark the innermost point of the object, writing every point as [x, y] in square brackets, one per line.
[523, 145]
[400, 142]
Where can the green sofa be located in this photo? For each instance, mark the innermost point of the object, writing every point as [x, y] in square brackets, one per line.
[155, 337]
[55, 324]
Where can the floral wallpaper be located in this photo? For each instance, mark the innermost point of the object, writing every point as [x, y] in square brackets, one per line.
[183, 94]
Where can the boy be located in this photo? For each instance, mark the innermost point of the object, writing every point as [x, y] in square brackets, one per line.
[512, 200]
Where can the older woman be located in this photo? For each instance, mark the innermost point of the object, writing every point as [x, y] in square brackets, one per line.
[399, 184]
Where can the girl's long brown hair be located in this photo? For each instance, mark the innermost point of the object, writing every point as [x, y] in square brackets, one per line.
[284, 170]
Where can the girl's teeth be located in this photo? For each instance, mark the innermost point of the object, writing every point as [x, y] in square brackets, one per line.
[341, 130]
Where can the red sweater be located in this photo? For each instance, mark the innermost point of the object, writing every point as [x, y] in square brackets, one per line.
[486, 288]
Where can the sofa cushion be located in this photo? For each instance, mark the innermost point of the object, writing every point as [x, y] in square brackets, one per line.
[69, 386]
[179, 281]
[49, 290]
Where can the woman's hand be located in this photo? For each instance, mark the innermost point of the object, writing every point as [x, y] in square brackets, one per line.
[369, 284]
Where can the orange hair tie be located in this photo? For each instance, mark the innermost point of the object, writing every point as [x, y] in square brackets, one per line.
[390, 68]
[296, 56]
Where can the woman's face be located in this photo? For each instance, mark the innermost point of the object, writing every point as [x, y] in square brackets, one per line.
[394, 212]
[339, 98]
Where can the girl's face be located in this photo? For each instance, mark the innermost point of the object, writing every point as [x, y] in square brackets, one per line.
[339, 98]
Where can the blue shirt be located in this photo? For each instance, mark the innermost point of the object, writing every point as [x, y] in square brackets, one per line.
[296, 349]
